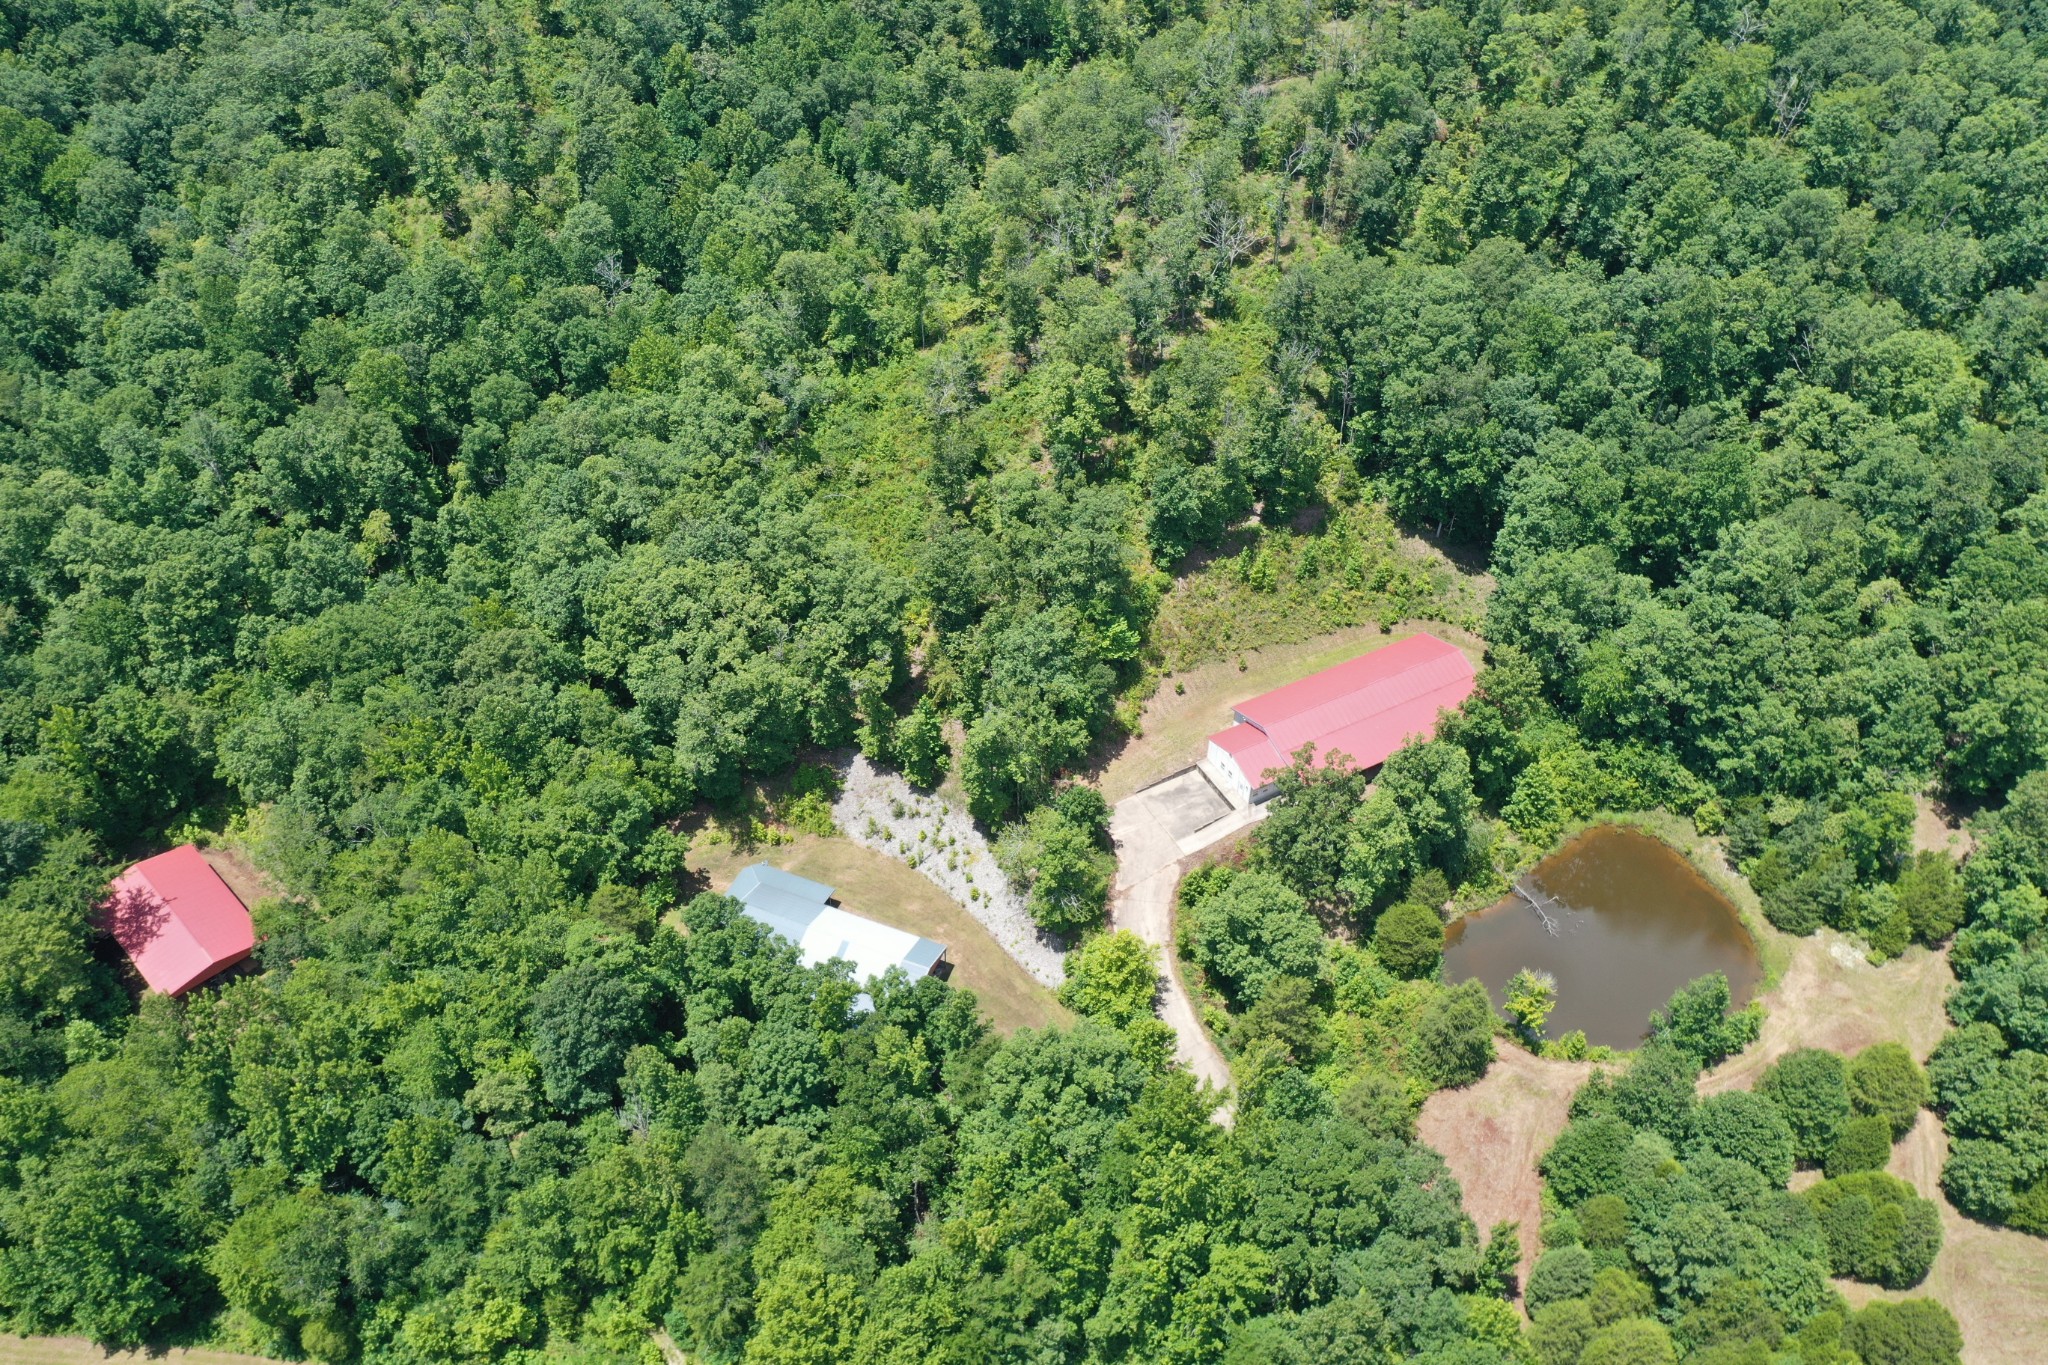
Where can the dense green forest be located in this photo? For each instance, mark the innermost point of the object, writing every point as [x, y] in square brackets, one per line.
[446, 443]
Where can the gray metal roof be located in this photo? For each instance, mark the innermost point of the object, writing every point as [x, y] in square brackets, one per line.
[760, 876]
[796, 908]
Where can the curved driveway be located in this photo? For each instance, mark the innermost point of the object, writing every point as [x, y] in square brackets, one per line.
[1157, 833]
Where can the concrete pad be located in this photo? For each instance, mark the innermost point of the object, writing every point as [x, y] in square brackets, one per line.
[1184, 803]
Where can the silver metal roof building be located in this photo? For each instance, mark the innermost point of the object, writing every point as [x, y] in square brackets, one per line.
[801, 911]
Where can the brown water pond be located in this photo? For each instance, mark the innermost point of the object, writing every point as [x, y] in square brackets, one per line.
[1621, 921]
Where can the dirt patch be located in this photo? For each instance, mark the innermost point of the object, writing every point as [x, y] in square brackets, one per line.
[1939, 826]
[1493, 1132]
[249, 882]
[868, 883]
[78, 1351]
[1831, 996]
[1994, 1280]
[1192, 705]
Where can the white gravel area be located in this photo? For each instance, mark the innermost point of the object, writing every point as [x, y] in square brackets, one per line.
[881, 811]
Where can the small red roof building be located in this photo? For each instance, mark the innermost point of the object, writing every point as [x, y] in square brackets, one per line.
[178, 921]
[1366, 707]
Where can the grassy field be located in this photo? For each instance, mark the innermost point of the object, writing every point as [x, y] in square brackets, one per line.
[1493, 1132]
[1831, 996]
[883, 889]
[1190, 706]
[1994, 1280]
[1827, 995]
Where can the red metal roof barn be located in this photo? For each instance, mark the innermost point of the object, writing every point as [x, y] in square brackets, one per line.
[1365, 707]
[178, 921]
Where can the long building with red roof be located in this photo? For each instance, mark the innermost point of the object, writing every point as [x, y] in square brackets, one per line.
[1365, 708]
[178, 921]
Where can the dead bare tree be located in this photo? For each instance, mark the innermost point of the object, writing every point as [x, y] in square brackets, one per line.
[1787, 105]
[1748, 23]
[1171, 130]
[1227, 233]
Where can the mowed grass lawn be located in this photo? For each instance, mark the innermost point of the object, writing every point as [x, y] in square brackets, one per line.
[883, 889]
[1175, 726]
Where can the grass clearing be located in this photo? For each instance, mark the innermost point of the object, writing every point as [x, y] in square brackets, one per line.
[1831, 996]
[1493, 1132]
[867, 883]
[1994, 1280]
[1270, 586]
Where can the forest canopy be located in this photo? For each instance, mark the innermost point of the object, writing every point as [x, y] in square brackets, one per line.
[446, 443]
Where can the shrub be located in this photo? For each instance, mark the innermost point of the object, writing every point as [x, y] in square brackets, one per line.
[1811, 1089]
[1877, 1229]
[1409, 940]
[1916, 1332]
[1562, 1273]
[1884, 1080]
[1864, 1144]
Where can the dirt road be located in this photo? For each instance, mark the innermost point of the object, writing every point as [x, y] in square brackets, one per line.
[1159, 833]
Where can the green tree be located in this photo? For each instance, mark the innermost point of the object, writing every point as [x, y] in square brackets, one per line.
[1632, 1341]
[1561, 1273]
[1885, 1082]
[1931, 894]
[1745, 1127]
[1913, 1332]
[1409, 939]
[1064, 873]
[1452, 1042]
[1811, 1089]
[1863, 1143]
[921, 746]
[1697, 1022]
[583, 1021]
[1877, 1229]
[1113, 977]
[1307, 829]
[1417, 816]
[1251, 932]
